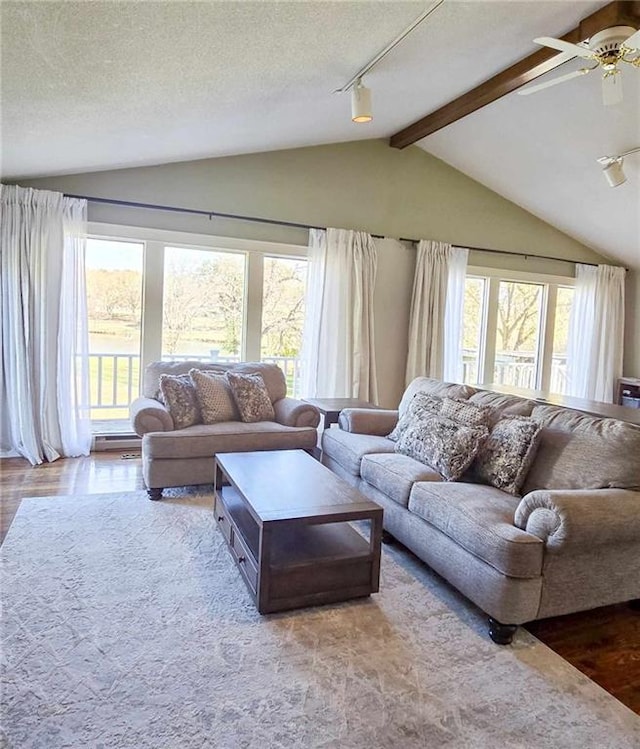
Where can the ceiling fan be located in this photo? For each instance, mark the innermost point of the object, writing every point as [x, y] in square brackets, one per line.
[606, 49]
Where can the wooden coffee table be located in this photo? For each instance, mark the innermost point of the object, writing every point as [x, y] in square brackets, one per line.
[285, 518]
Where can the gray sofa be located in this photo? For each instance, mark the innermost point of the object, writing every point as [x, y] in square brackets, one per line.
[571, 542]
[182, 457]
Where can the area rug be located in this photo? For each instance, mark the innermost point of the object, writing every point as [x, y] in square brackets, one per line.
[127, 625]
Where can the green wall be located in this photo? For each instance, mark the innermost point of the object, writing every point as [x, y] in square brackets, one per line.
[360, 185]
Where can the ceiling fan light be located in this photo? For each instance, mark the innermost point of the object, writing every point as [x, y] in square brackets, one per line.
[614, 173]
[361, 103]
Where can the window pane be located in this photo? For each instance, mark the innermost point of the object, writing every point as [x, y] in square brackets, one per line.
[519, 312]
[114, 305]
[203, 304]
[560, 338]
[283, 315]
[474, 291]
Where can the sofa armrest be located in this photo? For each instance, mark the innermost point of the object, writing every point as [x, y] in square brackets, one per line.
[580, 517]
[376, 421]
[149, 415]
[296, 413]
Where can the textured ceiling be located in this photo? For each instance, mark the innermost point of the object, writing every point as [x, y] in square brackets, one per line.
[101, 85]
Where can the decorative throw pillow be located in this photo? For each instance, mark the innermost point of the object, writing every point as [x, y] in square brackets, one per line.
[466, 413]
[504, 459]
[446, 445]
[420, 405]
[179, 396]
[214, 396]
[251, 397]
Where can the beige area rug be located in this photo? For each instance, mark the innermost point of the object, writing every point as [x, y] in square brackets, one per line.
[127, 625]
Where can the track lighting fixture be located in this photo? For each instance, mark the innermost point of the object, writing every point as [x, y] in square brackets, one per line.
[360, 95]
[612, 167]
[361, 103]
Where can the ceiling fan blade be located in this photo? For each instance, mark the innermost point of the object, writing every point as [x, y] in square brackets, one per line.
[573, 49]
[612, 89]
[633, 42]
[553, 81]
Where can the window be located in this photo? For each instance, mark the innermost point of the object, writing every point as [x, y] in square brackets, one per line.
[156, 294]
[203, 304]
[114, 306]
[516, 361]
[564, 302]
[284, 285]
[473, 315]
[515, 329]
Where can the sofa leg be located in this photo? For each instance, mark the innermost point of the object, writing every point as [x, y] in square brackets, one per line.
[500, 633]
[154, 493]
[387, 538]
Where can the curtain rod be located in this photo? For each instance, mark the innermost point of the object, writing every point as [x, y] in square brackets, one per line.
[292, 224]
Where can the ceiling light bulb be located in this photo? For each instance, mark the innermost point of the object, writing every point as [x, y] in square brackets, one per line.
[614, 173]
[361, 103]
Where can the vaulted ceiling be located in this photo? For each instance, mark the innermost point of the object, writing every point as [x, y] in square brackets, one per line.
[102, 85]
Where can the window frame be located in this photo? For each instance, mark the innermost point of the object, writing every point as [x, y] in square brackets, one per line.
[154, 242]
[546, 330]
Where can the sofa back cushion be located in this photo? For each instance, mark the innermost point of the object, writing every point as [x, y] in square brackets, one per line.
[272, 375]
[433, 387]
[578, 451]
[503, 404]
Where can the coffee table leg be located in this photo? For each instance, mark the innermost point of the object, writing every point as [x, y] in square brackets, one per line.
[375, 541]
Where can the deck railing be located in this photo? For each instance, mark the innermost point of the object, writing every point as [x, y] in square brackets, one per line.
[114, 378]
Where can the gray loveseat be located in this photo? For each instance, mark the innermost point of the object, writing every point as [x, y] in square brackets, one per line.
[570, 542]
[182, 457]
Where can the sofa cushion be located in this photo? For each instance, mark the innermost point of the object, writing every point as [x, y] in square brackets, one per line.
[443, 444]
[251, 396]
[578, 451]
[348, 449]
[506, 456]
[433, 387]
[503, 404]
[214, 396]
[204, 440]
[394, 474]
[468, 414]
[480, 519]
[179, 396]
[421, 404]
[272, 375]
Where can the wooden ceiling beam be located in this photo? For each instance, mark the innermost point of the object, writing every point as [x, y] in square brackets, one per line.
[618, 13]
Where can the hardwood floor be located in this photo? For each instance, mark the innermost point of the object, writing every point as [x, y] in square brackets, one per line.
[604, 644]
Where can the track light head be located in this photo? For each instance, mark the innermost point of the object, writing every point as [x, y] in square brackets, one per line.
[614, 174]
[612, 170]
[361, 103]
[612, 167]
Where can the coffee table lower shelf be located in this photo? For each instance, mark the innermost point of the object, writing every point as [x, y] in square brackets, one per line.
[289, 564]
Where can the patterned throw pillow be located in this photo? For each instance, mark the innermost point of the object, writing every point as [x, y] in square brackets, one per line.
[505, 458]
[446, 445]
[421, 404]
[179, 396]
[251, 397]
[214, 396]
[466, 413]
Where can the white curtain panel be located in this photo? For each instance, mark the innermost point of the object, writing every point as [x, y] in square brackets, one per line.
[338, 346]
[44, 368]
[435, 324]
[596, 333]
